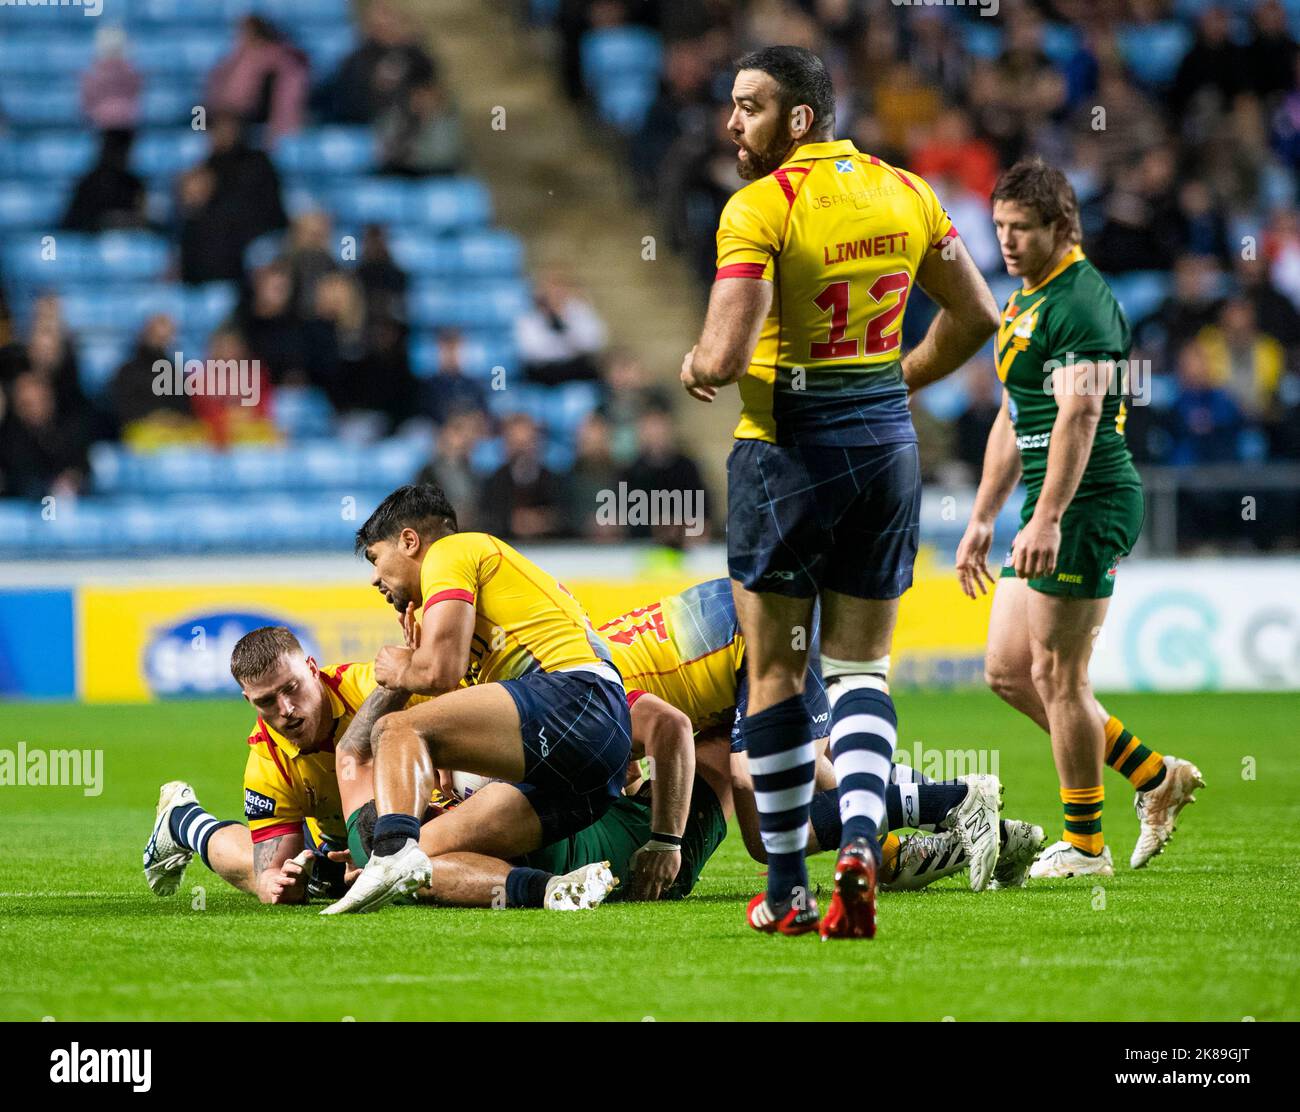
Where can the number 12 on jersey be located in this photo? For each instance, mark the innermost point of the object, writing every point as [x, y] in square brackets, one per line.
[834, 299]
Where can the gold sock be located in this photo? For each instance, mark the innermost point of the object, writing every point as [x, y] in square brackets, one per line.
[1144, 768]
[1083, 818]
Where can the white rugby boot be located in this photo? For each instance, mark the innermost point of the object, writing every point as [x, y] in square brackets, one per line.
[1020, 845]
[165, 860]
[975, 821]
[580, 890]
[1159, 808]
[1061, 859]
[384, 879]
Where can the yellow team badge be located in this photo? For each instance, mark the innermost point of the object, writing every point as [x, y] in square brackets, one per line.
[1014, 334]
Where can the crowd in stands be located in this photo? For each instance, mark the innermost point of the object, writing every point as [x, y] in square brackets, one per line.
[1177, 121]
[320, 322]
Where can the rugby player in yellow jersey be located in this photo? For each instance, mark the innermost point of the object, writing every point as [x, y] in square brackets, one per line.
[543, 709]
[312, 722]
[682, 659]
[817, 256]
[687, 652]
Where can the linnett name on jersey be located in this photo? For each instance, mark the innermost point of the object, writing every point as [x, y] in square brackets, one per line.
[865, 248]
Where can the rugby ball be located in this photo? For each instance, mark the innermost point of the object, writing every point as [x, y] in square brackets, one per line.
[466, 784]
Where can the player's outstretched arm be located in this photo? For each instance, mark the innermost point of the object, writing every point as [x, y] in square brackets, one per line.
[668, 738]
[280, 880]
[967, 315]
[737, 309]
[998, 479]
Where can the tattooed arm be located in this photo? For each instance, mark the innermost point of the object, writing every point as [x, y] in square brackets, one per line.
[280, 880]
[356, 738]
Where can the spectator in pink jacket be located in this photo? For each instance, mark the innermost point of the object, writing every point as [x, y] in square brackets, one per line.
[110, 88]
[263, 80]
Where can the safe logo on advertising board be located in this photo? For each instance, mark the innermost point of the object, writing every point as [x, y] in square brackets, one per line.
[192, 657]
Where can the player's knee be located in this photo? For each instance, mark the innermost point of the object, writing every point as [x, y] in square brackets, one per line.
[386, 728]
[1057, 680]
[1011, 687]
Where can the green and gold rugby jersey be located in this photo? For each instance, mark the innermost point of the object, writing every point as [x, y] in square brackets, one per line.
[1070, 316]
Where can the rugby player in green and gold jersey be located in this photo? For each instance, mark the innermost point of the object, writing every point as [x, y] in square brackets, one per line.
[1062, 349]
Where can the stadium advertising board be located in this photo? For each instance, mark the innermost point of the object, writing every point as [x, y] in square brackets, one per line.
[1186, 626]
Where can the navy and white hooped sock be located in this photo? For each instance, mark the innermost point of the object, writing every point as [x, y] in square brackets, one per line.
[903, 773]
[922, 806]
[392, 833]
[192, 827]
[864, 732]
[526, 887]
[783, 764]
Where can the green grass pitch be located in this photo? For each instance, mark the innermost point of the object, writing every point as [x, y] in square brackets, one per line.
[1209, 931]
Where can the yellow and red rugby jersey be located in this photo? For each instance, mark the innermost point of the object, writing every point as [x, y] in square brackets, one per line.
[285, 787]
[686, 649]
[840, 234]
[524, 620]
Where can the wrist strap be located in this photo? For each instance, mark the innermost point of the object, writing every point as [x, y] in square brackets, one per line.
[672, 840]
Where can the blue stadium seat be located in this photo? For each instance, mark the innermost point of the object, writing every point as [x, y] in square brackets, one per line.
[620, 68]
[487, 455]
[293, 13]
[449, 203]
[1140, 293]
[369, 200]
[302, 412]
[43, 54]
[981, 38]
[617, 54]
[256, 467]
[468, 304]
[327, 463]
[112, 256]
[40, 104]
[487, 253]
[397, 460]
[124, 308]
[327, 151]
[565, 407]
[164, 106]
[25, 204]
[625, 105]
[180, 469]
[98, 358]
[481, 352]
[57, 154]
[181, 11]
[167, 152]
[1153, 51]
[1060, 41]
[188, 53]
[18, 526]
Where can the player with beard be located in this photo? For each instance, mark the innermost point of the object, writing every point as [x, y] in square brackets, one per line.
[816, 258]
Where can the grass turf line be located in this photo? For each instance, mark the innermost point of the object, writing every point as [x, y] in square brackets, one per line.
[1208, 931]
